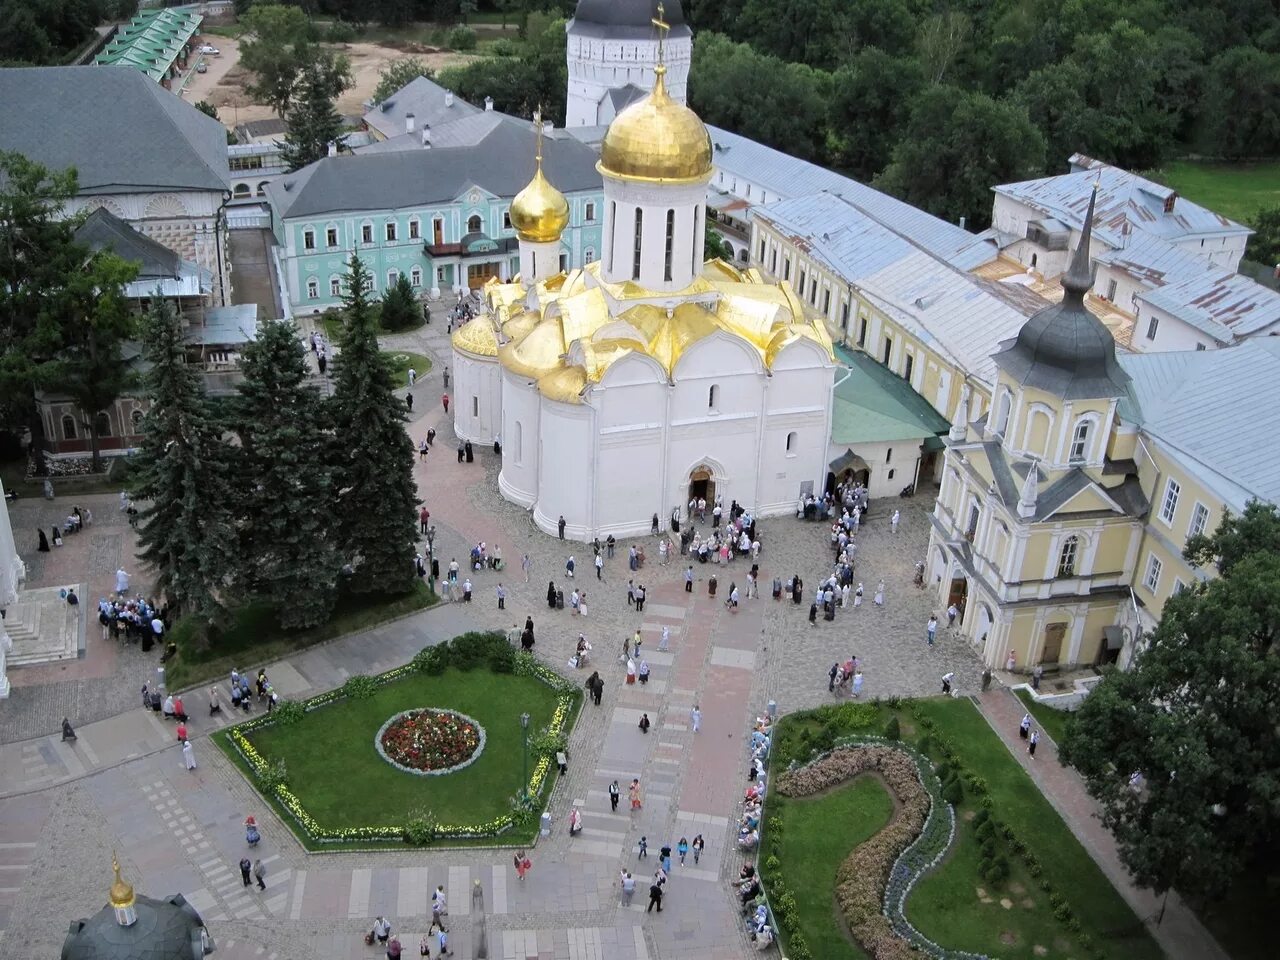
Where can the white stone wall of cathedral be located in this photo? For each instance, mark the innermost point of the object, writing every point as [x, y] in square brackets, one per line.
[477, 397]
[624, 200]
[521, 439]
[184, 221]
[566, 472]
[598, 65]
[538, 261]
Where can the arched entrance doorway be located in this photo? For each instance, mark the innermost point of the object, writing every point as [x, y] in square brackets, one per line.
[849, 468]
[958, 592]
[702, 484]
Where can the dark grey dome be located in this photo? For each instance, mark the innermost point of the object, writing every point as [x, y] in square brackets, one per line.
[1064, 349]
[627, 13]
[165, 930]
[626, 19]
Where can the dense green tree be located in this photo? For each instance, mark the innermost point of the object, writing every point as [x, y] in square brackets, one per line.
[870, 101]
[788, 112]
[373, 461]
[277, 44]
[1196, 716]
[397, 74]
[89, 367]
[538, 78]
[1264, 245]
[312, 122]
[940, 41]
[400, 308]
[955, 146]
[715, 246]
[182, 475]
[1241, 104]
[1054, 100]
[286, 507]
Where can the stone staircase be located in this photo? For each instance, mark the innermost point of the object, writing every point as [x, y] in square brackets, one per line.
[44, 628]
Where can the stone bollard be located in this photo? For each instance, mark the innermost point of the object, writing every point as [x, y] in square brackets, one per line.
[546, 824]
[772, 709]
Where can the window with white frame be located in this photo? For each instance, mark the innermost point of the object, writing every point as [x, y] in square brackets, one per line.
[366, 233]
[415, 229]
[590, 213]
[313, 289]
[308, 239]
[393, 277]
[1067, 557]
[1080, 441]
[1154, 568]
[1169, 505]
[1153, 324]
[1178, 586]
[1199, 519]
[506, 219]
[331, 236]
[391, 231]
[473, 223]
[588, 255]
[1002, 411]
[335, 287]
[415, 276]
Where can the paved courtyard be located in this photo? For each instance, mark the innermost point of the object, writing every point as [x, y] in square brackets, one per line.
[122, 786]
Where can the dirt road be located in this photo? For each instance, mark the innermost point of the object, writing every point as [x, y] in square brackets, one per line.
[224, 85]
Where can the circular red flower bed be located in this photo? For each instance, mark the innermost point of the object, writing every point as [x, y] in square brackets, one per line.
[427, 741]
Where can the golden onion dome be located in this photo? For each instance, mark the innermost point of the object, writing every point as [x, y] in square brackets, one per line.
[476, 337]
[520, 325]
[121, 894]
[565, 384]
[539, 212]
[657, 140]
[536, 355]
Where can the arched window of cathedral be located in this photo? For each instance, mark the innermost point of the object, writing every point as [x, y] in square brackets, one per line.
[610, 238]
[793, 439]
[635, 259]
[713, 398]
[68, 427]
[671, 236]
[1067, 557]
[1002, 412]
[519, 451]
[1080, 441]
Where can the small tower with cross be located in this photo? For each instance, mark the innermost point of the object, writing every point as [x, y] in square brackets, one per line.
[614, 48]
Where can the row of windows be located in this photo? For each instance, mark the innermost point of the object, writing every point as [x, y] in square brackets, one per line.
[1169, 507]
[391, 229]
[393, 277]
[70, 426]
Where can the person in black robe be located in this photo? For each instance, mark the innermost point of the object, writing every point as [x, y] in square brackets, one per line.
[470, 454]
[56, 536]
[551, 595]
[44, 541]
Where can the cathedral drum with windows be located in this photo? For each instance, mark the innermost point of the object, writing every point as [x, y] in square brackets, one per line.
[1039, 517]
[628, 382]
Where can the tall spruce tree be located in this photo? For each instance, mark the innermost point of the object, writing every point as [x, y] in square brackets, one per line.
[377, 496]
[185, 531]
[311, 120]
[288, 552]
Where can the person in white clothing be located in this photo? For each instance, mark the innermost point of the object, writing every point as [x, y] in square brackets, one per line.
[122, 581]
[695, 718]
[894, 521]
[188, 755]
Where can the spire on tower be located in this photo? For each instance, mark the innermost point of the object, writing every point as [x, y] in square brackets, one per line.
[663, 28]
[1079, 276]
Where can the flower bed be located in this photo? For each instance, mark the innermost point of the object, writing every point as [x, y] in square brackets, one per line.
[430, 743]
[278, 790]
[873, 882]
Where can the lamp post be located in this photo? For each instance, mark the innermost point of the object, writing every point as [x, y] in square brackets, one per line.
[524, 782]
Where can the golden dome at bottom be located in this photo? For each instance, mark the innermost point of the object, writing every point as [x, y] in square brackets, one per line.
[565, 384]
[477, 337]
[539, 212]
[538, 353]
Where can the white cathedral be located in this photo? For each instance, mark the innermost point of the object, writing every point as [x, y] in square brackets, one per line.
[621, 389]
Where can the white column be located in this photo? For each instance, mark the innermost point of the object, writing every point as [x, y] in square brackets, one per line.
[12, 572]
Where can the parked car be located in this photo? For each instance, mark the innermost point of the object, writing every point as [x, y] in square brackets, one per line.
[206, 48]
[202, 67]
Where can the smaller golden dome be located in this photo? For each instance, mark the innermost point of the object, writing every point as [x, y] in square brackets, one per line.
[539, 212]
[656, 140]
[121, 894]
[520, 325]
[565, 384]
[538, 353]
[477, 337]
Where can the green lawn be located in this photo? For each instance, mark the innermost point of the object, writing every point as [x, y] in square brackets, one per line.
[342, 781]
[255, 637]
[944, 905]
[1235, 190]
[1053, 722]
[815, 848]
[401, 361]
[333, 323]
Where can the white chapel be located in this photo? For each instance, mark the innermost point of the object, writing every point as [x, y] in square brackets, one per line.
[621, 389]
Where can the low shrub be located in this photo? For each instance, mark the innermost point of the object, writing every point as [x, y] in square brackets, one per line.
[981, 817]
[272, 775]
[892, 729]
[360, 687]
[952, 792]
[288, 712]
[420, 828]
[461, 38]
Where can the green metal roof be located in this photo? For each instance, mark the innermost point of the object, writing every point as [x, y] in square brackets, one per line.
[151, 41]
[872, 404]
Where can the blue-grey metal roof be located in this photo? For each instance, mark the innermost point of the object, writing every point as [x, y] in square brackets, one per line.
[789, 176]
[1216, 410]
[123, 132]
[425, 99]
[1222, 304]
[225, 326]
[1123, 198]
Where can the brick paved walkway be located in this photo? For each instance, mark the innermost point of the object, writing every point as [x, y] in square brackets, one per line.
[1180, 934]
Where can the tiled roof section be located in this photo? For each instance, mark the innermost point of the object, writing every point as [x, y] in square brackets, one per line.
[151, 41]
[103, 229]
[790, 177]
[960, 316]
[1218, 410]
[122, 132]
[501, 163]
[1123, 198]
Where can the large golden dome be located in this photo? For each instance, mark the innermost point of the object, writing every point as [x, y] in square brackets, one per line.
[539, 212]
[657, 140]
[477, 336]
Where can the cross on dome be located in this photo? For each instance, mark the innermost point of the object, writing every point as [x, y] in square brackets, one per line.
[663, 28]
